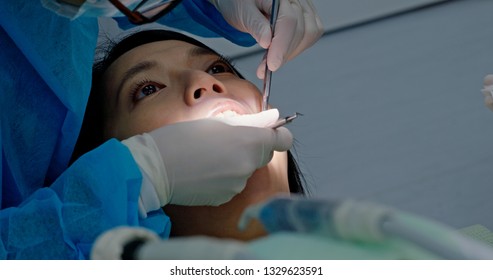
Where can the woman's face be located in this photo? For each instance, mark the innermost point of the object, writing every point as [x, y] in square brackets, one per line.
[166, 82]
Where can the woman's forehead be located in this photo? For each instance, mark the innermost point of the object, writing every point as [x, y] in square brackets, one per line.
[170, 49]
[167, 49]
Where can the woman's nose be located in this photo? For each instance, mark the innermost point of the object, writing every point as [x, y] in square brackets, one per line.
[200, 86]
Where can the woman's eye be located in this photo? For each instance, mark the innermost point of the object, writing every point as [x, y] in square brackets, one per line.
[219, 67]
[146, 89]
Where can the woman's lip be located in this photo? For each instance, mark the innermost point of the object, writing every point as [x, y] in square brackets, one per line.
[229, 105]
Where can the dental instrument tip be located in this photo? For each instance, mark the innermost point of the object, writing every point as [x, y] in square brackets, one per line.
[285, 120]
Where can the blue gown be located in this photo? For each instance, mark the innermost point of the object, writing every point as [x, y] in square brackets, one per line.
[47, 209]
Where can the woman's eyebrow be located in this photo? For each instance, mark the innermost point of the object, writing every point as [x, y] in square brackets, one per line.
[133, 71]
[198, 51]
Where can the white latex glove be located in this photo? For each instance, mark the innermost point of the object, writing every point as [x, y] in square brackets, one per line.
[488, 91]
[206, 162]
[195, 248]
[111, 244]
[298, 27]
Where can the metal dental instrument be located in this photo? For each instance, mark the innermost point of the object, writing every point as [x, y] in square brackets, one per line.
[268, 73]
[285, 120]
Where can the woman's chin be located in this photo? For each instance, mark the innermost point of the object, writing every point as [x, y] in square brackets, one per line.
[222, 221]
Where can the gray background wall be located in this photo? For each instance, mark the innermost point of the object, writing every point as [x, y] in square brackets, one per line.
[392, 107]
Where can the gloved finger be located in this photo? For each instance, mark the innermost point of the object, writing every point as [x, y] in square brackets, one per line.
[488, 91]
[311, 12]
[488, 80]
[313, 30]
[110, 244]
[488, 98]
[288, 44]
[262, 119]
[261, 68]
[254, 22]
[284, 139]
[286, 33]
[279, 139]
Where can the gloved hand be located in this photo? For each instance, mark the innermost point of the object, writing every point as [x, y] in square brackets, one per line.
[488, 91]
[298, 27]
[114, 244]
[206, 162]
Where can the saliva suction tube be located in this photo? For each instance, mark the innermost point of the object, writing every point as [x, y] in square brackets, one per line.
[363, 221]
[340, 219]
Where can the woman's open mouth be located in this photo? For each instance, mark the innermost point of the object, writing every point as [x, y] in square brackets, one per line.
[228, 113]
[228, 109]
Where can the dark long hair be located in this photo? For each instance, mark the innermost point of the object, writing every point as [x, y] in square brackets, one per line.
[91, 135]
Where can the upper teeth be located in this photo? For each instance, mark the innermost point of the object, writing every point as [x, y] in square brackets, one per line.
[228, 113]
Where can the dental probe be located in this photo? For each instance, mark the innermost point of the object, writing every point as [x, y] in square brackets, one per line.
[285, 120]
[268, 73]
